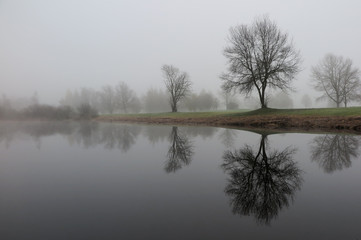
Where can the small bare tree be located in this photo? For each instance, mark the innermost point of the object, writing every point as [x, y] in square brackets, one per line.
[260, 56]
[337, 79]
[177, 83]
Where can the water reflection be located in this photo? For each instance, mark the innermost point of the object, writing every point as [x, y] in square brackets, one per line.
[87, 134]
[334, 152]
[261, 181]
[157, 133]
[180, 151]
[120, 136]
[227, 137]
[204, 132]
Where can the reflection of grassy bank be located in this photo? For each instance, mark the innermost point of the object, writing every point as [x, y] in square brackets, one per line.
[348, 119]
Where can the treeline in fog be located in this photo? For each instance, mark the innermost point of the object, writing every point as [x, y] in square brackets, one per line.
[122, 99]
[30, 108]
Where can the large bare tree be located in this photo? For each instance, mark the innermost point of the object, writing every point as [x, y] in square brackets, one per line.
[260, 56]
[337, 79]
[177, 83]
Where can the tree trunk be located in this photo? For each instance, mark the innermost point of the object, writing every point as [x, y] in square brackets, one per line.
[263, 102]
[174, 107]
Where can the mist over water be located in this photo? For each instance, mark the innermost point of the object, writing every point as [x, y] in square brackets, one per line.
[80, 180]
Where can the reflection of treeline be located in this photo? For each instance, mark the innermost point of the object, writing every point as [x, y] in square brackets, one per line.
[92, 134]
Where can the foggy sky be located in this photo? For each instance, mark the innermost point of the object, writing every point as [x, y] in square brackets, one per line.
[50, 46]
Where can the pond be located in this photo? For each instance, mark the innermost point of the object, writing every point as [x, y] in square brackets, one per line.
[72, 180]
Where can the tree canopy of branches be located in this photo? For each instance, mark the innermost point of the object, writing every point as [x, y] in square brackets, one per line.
[177, 83]
[259, 56]
[337, 79]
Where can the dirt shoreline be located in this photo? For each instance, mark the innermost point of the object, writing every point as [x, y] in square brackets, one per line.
[278, 123]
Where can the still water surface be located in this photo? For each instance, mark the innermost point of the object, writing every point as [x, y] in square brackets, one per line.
[71, 180]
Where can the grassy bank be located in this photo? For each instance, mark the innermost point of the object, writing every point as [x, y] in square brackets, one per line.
[320, 112]
[318, 119]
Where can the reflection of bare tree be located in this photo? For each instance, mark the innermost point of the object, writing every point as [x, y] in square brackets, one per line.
[227, 137]
[261, 183]
[180, 151]
[334, 152]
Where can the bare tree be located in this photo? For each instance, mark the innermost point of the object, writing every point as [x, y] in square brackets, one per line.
[337, 79]
[260, 56]
[177, 83]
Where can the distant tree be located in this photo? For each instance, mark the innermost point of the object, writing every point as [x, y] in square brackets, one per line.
[335, 77]
[71, 98]
[108, 99]
[155, 101]
[76, 99]
[126, 99]
[177, 83]
[86, 111]
[259, 56]
[135, 105]
[306, 101]
[228, 98]
[281, 100]
[204, 101]
[207, 101]
[191, 102]
[43, 111]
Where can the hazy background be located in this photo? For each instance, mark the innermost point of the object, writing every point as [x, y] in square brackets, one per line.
[50, 46]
